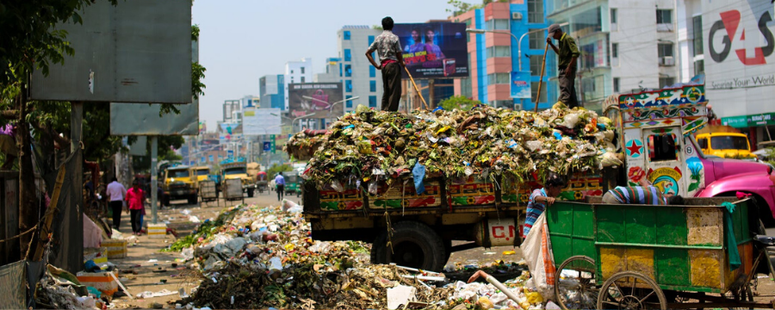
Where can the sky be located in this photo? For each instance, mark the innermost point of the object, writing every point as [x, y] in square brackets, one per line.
[243, 40]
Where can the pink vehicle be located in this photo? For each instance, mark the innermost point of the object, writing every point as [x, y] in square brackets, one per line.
[659, 145]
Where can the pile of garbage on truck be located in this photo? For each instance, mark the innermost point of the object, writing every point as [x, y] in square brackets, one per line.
[370, 145]
[263, 257]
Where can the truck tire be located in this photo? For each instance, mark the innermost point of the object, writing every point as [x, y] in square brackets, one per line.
[414, 245]
[251, 192]
[193, 199]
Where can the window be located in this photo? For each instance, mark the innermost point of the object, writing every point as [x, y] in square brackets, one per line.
[347, 35]
[535, 11]
[697, 31]
[498, 51]
[348, 71]
[302, 70]
[302, 79]
[498, 78]
[664, 20]
[498, 24]
[534, 92]
[729, 143]
[466, 89]
[291, 71]
[703, 143]
[372, 101]
[617, 85]
[348, 103]
[348, 86]
[665, 50]
[662, 147]
[535, 65]
[614, 20]
[615, 54]
[537, 40]
[699, 67]
[347, 55]
[372, 86]
[666, 81]
[372, 71]
[506, 104]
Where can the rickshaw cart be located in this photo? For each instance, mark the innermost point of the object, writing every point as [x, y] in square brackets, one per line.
[262, 183]
[232, 189]
[208, 191]
[643, 256]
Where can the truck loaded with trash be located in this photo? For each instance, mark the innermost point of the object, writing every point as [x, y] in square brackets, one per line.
[413, 183]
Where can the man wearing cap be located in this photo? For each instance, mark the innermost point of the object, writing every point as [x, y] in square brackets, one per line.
[567, 54]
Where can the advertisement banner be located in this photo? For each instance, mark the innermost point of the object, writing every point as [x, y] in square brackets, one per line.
[433, 50]
[520, 84]
[738, 56]
[315, 100]
[262, 122]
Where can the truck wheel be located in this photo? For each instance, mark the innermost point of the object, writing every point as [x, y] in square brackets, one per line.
[251, 192]
[165, 200]
[414, 245]
[192, 200]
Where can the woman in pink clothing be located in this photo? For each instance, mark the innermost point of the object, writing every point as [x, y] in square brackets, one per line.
[135, 198]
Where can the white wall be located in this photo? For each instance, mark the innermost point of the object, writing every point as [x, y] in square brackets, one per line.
[293, 74]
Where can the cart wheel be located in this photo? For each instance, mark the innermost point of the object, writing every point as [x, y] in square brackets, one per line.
[578, 290]
[743, 294]
[630, 290]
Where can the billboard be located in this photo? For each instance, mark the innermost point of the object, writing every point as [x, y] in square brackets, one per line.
[262, 122]
[520, 84]
[134, 51]
[316, 100]
[433, 50]
[738, 56]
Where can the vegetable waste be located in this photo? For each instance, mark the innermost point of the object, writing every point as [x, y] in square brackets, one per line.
[370, 145]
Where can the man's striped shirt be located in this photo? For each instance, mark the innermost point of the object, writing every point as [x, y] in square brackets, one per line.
[639, 195]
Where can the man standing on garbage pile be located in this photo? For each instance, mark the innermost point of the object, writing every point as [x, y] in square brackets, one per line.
[280, 181]
[540, 199]
[567, 54]
[116, 193]
[645, 194]
[388, 48]
[135, 198]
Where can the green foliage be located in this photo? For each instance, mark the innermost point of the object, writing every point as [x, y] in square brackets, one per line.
[458, 102]
[194, 32]
[376, 27]
[272, 171]
[166, 144]
[770, 156]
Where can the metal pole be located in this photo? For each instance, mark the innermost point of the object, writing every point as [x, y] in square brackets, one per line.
[76, 135]
[154, 184]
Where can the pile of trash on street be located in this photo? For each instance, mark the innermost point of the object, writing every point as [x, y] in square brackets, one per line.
[262, 257]
[368, 145]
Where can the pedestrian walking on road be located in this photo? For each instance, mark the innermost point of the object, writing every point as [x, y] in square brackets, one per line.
[135, 198]
[116, 193]
[388, 48]
[567, 53]
[280, 181]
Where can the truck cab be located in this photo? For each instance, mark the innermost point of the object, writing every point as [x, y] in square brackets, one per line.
[179, 183]
[238, 169]
[725, 145]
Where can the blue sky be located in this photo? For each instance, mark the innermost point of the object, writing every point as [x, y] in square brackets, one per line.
[242, 40]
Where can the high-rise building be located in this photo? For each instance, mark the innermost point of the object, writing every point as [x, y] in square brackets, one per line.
[360, 79]
[640, 52]
[495, 54]
[229, 106]
[271, 91]
[333, 72]
[297, 72]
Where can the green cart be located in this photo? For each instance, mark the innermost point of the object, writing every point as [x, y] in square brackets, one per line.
[292, 183]
[641, 256]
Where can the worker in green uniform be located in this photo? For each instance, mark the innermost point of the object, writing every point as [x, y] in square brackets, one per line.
[567, 53]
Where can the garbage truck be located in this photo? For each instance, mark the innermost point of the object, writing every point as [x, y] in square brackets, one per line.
[179, 183]
[238, 169]
[654, 132]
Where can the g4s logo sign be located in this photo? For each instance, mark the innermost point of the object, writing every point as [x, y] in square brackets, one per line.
[730, 21]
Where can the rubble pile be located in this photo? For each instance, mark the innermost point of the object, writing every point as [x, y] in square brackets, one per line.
[368, 145]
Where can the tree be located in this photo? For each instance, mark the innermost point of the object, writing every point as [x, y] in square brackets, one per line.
[458, 102]
[166, 145]
[275, 169]
[460, 7]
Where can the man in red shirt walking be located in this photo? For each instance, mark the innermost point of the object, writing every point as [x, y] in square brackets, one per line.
[135, 198]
